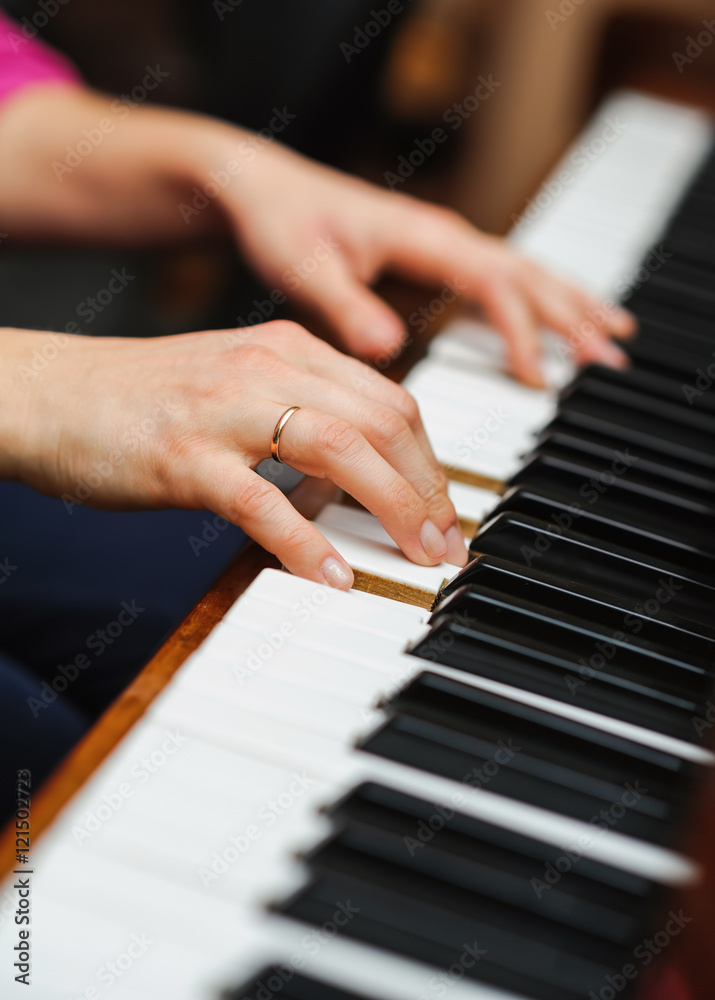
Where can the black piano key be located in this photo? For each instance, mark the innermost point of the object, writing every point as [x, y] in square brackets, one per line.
[649, 310]
[477, 737]
[616, 392]
[440, 926]
[523, 661]
[630, 655]
[683, 288]
[494, 847]
[664, 361]
[559, 437]
[415, 899]
[488, 575]
[687, 242]
[637, 496]
[611, 522]
[667, 385]
[567, 553]
[284, 982]
[632, 427]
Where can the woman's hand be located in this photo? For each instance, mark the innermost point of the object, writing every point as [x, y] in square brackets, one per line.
[317, 234]
[183, 422]
[325, 237]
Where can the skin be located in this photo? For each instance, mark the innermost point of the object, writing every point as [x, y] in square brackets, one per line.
[213, 398]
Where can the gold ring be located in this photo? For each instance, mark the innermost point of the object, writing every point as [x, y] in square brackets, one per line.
[275, 440]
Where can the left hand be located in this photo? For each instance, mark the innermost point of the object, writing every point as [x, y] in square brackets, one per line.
[324, 237]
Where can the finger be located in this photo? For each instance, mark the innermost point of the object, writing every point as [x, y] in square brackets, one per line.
[436, 244]
[507, 309]
[615, 320]
[337, 368]
[225, 485]
[365, 324]
[389, 433]
[325, 446]
[582, 322]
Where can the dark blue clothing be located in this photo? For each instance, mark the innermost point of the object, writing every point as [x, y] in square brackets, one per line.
[85, 599]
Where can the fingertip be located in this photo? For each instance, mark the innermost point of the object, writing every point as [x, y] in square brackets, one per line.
[336, 573]
[380, 335]
[528, 371]
[605, 352]
[456, 549]
[624, 324]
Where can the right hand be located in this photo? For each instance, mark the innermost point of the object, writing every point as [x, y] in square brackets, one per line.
[183, 421]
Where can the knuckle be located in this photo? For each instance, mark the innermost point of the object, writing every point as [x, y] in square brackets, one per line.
[260, 359]
[387, 425]
[255, 500]
[403, 502]
[434, 484]
[407, 406]
[336, 437]
[287, 328]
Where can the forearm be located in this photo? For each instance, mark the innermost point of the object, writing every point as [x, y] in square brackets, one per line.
[77, 164]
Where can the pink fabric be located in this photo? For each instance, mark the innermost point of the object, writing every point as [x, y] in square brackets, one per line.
[25, 60]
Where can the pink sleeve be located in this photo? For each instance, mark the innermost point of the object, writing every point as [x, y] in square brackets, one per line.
[25, 60]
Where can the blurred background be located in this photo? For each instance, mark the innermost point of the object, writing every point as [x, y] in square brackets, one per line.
[510, 83]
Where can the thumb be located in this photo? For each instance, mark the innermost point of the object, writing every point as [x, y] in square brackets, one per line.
[366, 325]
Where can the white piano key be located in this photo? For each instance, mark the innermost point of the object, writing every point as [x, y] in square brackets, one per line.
[388, 562]
[319, 662]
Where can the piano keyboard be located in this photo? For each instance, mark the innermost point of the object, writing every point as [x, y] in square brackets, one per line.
[480, 793]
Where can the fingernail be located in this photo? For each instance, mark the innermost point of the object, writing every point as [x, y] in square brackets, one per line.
[337, 574]
[433, 541]
[456, 549]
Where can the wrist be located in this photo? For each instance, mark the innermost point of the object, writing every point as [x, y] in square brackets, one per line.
[19, 367]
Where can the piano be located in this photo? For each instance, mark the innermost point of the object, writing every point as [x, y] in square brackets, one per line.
[471, 784]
